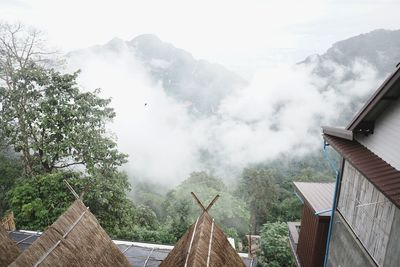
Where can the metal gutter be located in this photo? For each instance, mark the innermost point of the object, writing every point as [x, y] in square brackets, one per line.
[338, 132]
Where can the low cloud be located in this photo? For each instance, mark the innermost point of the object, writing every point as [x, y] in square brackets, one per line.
[279, 112]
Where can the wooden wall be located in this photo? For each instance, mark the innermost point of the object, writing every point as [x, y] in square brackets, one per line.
[312, 238]
[367, 211]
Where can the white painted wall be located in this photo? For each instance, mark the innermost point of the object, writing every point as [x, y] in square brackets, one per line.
[385, 142]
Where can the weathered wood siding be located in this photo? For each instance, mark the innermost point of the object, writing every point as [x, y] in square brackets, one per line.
[367, 211]
[385, 141]
[312, 238]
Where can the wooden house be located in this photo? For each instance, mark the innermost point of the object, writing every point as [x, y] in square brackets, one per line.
[308, 239]
[365, 227]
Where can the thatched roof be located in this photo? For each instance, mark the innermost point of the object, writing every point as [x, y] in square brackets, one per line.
[75, 239]
[9, 250]
[204, 244]
[8, 222]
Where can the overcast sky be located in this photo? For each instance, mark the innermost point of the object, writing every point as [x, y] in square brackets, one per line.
[241, 34]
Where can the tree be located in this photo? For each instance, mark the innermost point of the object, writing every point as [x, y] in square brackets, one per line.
[54, 125]
[37, 202]
[181, 210]
[10, 170]
[41, 199]
[44, 116]
[259, 190]
[19, 48]
[274, 246]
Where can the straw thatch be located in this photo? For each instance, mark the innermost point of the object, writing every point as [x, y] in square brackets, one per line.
[75, 239]
[204, 244]
[8, 222]
[9, 251]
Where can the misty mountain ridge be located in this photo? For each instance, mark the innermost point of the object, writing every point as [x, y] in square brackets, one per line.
[201, 116]
[198, 83]
[202, 85]
[373, 53]
[380, 48]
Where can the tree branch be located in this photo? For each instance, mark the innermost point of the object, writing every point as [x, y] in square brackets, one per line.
[69, 164]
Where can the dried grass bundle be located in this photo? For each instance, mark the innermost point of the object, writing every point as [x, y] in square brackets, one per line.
[204, 244]
[9, 251]
[75, 239]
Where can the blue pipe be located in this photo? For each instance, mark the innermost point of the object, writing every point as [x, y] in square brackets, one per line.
[328, 241]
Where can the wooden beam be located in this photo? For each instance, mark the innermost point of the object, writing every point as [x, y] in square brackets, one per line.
[201, 204]
[212, 203]
[198, 201]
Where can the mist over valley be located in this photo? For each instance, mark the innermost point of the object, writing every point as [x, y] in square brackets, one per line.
[177, 114]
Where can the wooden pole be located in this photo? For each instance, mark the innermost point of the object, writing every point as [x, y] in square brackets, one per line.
[198, 201]
[71, 189]
[212, 202]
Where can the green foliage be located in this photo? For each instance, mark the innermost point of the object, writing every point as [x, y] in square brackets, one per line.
[10, 170]
[105, 195]
[181, 210]
[149, 194]
[136, 233]
[146, 217]
[38, 201]
[286, 208]
[274, 246]
[259, 190]
[46, 118]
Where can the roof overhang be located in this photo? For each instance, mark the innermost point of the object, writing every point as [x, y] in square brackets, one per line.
[318, 196]
[338, 132]
[383, 176]
[388, 92]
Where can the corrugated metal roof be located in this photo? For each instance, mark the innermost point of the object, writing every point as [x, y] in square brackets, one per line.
[136, 253]
[318, 195]
[382, 175]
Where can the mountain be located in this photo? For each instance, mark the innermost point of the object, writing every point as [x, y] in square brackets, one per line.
[206, 118]
[355, 67]
[379, 48]
[198, 83]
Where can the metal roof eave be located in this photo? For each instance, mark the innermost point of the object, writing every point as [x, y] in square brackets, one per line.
[375, 99]
[338, 132]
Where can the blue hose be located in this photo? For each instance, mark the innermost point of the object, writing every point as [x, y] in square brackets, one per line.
[333, 205]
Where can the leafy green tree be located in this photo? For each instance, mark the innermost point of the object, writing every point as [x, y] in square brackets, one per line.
[10, 170]
[181, 210]
[41, 199]
[259, 190]
[105, 195]
[146, 217]
[286, 208]
[274, 246]
[38, 201]
[47, 120]
[149, 194]
[180, 215]
[53, 125]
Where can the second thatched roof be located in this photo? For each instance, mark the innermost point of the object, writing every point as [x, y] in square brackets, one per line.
[9, 250]
[75, 239]
[204, 244]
